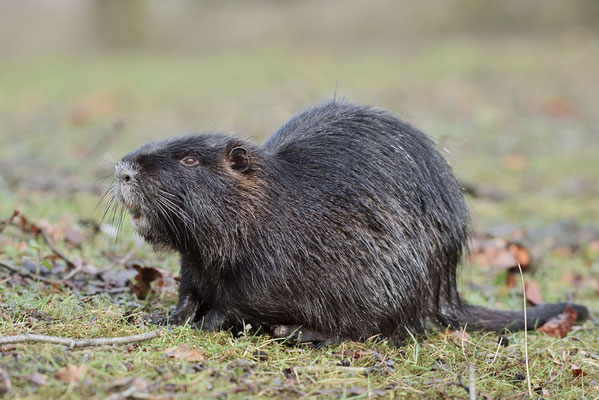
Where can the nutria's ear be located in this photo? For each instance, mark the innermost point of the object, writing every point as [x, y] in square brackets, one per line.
[239, 159]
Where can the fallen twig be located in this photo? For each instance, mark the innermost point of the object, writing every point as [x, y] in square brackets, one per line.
[324, 368]
[74, 272]
[72, 343]
[114, 290]
[27, 274]
[56, 251]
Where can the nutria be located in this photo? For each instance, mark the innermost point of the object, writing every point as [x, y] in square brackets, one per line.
[346, 222]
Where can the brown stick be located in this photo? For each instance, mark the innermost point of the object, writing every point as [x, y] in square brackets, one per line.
[73, 272]
[28, 274]
[56, 251]
[72, 343]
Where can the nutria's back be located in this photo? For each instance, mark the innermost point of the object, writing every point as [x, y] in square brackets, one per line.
[346, 221]
[360, 190]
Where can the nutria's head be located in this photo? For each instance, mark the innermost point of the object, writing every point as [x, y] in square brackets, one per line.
[186, 193]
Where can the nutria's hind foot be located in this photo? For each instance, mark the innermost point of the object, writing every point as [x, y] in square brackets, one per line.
[156, 319]
[186, 310]
[213, 321]
[296, 334]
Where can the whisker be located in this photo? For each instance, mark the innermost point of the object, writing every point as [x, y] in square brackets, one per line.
[116, 160]
[104, 161]
[121, 218]
[182, 215]
[165, 217]
[109, 190]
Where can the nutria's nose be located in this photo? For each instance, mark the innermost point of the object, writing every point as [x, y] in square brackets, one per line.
[123, 177]
[123, 174]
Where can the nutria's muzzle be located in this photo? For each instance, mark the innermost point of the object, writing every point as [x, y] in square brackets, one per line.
[127, 184]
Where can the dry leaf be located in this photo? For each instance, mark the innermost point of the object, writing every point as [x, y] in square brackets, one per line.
[55, 288]
[499, 254]
[145, 276]
[533, 295]
[576, 371]
[55, 232]
[521, 253]
[21, 222]
[151, 279]
[70, 373]
[185, 352]
[560, 325]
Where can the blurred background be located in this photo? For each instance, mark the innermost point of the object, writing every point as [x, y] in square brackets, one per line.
[510, 89]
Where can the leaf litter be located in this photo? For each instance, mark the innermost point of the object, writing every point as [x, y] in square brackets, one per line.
[83, 277]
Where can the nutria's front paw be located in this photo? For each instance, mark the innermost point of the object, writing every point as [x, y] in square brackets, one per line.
[156, 319]
[186, 310]
[165, 319]
[213, 321]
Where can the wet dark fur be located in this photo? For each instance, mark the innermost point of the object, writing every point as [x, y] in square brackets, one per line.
[347, 222]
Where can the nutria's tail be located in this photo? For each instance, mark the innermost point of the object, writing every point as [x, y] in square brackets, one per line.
[481, 318]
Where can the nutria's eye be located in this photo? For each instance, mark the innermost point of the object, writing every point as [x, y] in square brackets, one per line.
[190, 161]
